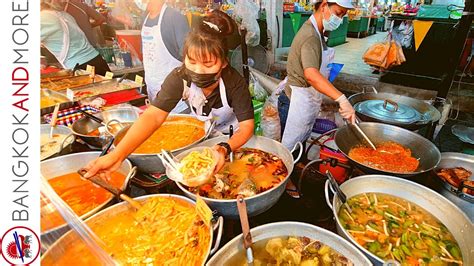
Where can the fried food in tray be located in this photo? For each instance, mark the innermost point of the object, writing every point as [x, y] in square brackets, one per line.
[456, 177]
[69, 82]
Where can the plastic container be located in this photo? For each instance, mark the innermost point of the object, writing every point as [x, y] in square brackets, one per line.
[131, 37]
[196, 180]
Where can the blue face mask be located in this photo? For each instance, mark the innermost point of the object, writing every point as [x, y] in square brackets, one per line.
[332, 23]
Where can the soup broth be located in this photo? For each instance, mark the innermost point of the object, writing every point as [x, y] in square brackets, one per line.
[395, 229]
[252, 171]
[80, 194]
[291, 251]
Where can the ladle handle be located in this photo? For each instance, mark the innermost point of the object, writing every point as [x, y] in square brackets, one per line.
[244, 221]
[93, 117]
[335, 186]
[107, 147]
[356, 125]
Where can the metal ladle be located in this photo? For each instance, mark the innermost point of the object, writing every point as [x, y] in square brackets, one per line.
[244, 222]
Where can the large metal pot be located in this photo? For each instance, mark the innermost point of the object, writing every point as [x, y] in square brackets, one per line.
[429, 156]
[69, 164]
[150, 163]
[417, 112]
[261, 202]
[284, 229]
[63, 130]
[451, 216]
[455, 195]
[123, 208]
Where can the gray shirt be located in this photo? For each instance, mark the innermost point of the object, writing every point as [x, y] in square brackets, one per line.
[174, 28]
[305, 52]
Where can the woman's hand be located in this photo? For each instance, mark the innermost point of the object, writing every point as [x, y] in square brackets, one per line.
[345, 109]
[104, 165]
[222, 153]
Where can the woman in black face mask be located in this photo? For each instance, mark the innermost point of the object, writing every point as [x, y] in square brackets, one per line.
[212, 89]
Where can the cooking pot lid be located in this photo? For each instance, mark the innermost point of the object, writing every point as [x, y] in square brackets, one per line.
[388, 111]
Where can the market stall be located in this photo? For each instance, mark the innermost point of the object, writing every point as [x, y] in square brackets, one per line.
[333, 200]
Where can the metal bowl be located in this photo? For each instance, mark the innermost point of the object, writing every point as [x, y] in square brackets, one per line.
[429, 156]
[70, 164]
[123, 208]
[428, 112]
[449, 214]
[63, 130]
[261, 202]
[284, 229]
[82, 127]
[149, 162]
[455, 195]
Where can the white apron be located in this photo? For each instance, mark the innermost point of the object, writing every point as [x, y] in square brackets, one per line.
[305, 103]
[223, 116]
[157, 60]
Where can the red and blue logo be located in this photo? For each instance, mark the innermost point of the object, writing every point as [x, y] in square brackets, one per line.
[20, 246]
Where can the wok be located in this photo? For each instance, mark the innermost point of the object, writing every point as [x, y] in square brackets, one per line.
[150, 163]
[429, 113]
[451, 216]
[263, 201]
[71, 238]
[82, 127]
[282, 229]
[428, 154]
[69, 164]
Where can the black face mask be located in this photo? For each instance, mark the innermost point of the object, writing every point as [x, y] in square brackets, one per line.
[202, 80]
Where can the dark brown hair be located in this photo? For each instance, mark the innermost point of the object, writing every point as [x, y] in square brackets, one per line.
[208, 38]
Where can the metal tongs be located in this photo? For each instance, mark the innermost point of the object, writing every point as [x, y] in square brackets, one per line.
[362, 133]
[339, 192]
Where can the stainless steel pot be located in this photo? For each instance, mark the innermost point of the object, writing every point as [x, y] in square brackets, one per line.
[70, 164]
[261, 202]
[451, 216]
[63, 130]
[283, 229]
[71, 238]
[427, 113]
[150, 163]
[429, 156]
[455, 195]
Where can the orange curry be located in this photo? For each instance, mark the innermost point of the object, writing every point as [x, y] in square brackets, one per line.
[389, 156]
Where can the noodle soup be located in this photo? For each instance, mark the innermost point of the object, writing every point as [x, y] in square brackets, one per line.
[164, 231]
[252, 171]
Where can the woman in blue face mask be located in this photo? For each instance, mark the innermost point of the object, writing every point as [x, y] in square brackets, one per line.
[205, 81]
[308, 69]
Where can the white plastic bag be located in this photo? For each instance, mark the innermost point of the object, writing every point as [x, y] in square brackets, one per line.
[247, 12]
[256, 89]
[270, 124]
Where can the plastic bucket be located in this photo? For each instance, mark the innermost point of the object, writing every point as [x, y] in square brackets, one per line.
[132, 38]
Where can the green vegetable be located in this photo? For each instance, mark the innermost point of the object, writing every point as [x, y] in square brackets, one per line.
[380, 212]
[393, 224]
[402, 213]
[372, 225]
[419, 244]
[405, 237]
[405, 250]
[455, 252]
[426, 260]
[413, 237]
[397, 255]
[374, 246]
[408, 223]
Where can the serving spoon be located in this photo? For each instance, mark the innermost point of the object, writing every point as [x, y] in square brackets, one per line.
[244, 222]
[54, 119]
